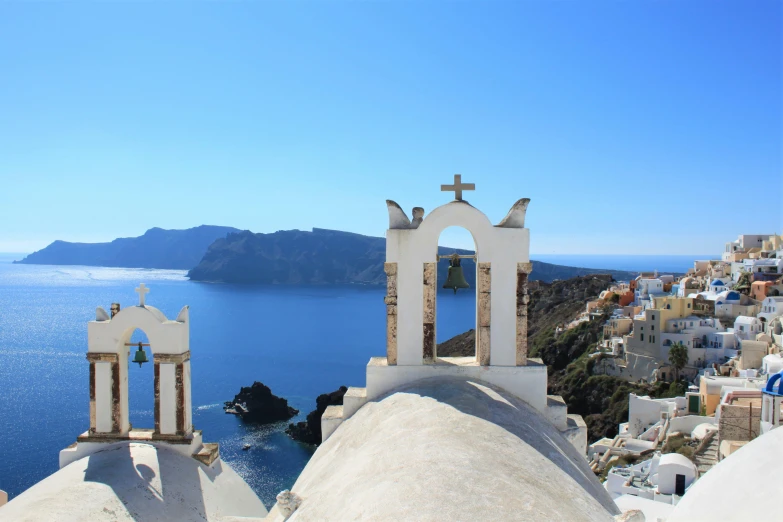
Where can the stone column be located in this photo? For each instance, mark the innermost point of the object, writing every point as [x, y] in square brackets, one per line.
[430, 278]
[484, 314]
[92, 395]
[172, 394]
[391, 312]
[523, 269]
[156, 387]
[105, 413]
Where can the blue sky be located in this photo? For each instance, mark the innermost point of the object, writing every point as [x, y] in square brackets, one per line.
[634, 127]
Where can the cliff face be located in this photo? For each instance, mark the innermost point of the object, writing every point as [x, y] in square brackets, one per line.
[602, 400]
[157, 248]
[550, 304]
[309, 432]
[293, 257]
[328, 257]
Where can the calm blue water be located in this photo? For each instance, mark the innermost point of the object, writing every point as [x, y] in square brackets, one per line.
[640, 263]
[300, 341]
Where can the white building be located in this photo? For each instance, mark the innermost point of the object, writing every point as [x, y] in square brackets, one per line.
[743, 243]
[763, 266]
[664, 478]
[771, 307]
[648, 287]
[746, 328]
[705, 337]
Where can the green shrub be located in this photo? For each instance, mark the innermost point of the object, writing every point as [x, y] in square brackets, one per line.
[674, 443]
[686, 451]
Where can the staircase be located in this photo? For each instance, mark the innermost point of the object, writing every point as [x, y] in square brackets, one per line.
[707, 455]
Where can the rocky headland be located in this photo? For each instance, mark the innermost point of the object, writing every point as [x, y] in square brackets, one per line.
[256, 403]
[309, 431]
[288, 257]
[330, 257]
[157, 248]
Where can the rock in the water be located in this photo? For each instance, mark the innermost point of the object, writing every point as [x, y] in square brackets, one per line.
[257, 404]
[309, 432]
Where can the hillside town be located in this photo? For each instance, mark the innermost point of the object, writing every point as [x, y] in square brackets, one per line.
[715, 331]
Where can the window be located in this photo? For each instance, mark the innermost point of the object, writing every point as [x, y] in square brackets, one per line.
[689, 305]
[653, 317]
[742, 328]
[642, 337]
[652, 328]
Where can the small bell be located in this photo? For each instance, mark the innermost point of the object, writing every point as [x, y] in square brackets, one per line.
[455, 279]
[140, 356]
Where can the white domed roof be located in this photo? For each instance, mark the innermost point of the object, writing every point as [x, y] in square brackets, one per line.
[751, 475]
[449, 449]
[136, 482]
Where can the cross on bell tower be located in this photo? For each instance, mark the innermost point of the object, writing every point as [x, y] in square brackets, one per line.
[458, 187]
[142, 290]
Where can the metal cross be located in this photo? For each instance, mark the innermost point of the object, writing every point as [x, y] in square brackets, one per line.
[142, 290]
[458, 187]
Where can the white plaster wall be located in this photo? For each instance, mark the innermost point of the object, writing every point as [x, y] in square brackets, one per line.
[103, 420]
[169, 337]
[410, 249]
[83, 449]
[642, 412]
[667, 476]
[687, 423]
[168, 400]
[529, 383]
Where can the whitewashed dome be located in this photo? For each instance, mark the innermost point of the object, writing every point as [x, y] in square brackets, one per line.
[137, 482]
[751, 475]
[449, 449]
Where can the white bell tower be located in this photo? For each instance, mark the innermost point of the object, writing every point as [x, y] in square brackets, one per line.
[108, 351]
[503, 266]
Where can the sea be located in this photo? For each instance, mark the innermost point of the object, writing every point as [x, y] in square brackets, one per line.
[633, 263]
[301, 341]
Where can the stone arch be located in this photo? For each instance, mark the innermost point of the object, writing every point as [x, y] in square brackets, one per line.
[435, 298]
[456, 214]
[462, 215]
[164, 335]
[126, 353]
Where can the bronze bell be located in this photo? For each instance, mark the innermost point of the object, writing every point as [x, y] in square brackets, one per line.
[140, 356]
[455, 279]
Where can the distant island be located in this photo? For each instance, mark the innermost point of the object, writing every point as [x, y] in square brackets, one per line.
[289, 257]
[330, 257]
[157, 248]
